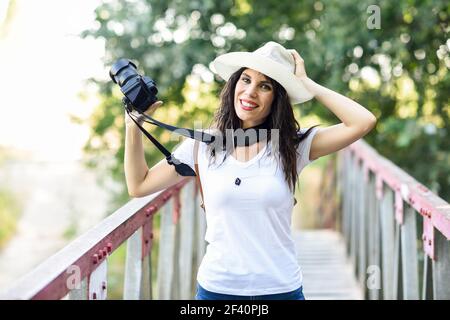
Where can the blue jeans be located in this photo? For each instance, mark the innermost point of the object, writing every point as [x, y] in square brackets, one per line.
[203, 294]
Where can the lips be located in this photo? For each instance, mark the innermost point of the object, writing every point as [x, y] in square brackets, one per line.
[247, 104]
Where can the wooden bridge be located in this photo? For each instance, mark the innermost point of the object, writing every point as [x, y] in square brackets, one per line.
[383, 236]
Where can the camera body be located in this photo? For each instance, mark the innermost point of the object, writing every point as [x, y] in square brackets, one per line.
[139, 91]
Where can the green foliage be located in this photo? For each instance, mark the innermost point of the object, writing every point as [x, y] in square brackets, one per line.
[408, 58]
[71, 231]
[9, 213]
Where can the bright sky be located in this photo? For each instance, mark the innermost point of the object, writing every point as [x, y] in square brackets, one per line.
[43, 64]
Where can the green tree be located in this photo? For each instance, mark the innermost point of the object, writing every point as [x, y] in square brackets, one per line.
[399, 72]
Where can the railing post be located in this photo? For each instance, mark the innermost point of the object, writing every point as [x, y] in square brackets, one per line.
[175, 284]
[81, 293]
[374, 286]
[441, 268]
[348, 196]
[362, 219]
[146, 279]
[345, 193]
[356, 214]
[352, 217]
[187, 269]
[410, 273]
[340, 185]
[387, 235]
[396, 271]
[97, 282]
[137, 282]
[133, 267]
[167, 246]
[427, 280]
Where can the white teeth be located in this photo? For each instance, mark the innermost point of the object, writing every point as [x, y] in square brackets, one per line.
[248, 105]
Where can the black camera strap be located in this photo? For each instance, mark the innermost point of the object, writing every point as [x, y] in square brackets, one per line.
[197, 135]
[182, 168]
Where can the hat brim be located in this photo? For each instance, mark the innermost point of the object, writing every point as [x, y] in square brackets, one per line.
[225, 65]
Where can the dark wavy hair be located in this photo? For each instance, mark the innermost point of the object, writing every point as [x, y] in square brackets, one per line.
[281, 116]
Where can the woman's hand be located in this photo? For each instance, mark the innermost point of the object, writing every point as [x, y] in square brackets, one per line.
[139, 117]
[300, 71]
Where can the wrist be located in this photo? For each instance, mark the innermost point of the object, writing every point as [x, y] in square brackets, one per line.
[129, 121]
[310, 85]
[132, 125]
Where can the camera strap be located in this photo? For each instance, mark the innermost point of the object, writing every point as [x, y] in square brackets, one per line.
[181, 168]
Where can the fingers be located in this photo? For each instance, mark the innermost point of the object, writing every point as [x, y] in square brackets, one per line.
[139, 116]
[153, 107]
[297, 57]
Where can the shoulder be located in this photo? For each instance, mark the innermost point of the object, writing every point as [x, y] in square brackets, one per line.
[306, 136]
[305, 132]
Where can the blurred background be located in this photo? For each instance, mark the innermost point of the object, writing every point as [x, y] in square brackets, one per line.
[62, 128]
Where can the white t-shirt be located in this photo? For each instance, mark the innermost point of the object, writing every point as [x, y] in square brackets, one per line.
[250, 248]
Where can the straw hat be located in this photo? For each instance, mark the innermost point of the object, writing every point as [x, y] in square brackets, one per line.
[273, 60]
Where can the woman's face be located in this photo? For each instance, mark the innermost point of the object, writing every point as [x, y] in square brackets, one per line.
[253, 98]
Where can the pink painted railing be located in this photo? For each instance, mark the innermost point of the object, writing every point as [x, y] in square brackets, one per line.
[396, 234]
[397, 231]
[79, 270]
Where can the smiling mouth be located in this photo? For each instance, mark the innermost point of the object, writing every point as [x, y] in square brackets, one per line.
[247, 106]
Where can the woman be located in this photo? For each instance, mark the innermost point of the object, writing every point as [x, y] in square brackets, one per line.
[248, 188]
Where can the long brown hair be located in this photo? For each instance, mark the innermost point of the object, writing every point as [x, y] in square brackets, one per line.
[281, 116]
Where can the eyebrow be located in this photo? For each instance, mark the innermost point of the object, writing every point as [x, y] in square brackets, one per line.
[264, 81]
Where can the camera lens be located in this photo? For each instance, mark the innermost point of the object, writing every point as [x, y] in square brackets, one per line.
[120, 73]
[140, 91]
[126, 75]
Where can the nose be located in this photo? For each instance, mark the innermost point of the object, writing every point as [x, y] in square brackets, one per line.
[251, 90]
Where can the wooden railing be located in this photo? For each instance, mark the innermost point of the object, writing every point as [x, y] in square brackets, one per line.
[396, 234]
[79, 270]
[397, 231]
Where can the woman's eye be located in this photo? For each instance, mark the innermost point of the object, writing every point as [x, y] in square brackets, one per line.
[264, 86]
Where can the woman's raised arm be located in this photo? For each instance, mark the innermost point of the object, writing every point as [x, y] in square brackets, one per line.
[141, 180]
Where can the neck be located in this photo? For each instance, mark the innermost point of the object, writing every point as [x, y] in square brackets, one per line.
[248, 140]
[247, 125]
